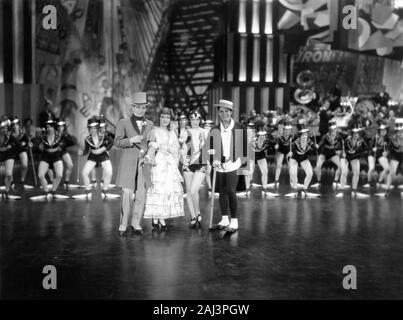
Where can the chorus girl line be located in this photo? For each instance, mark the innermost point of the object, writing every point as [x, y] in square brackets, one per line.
[162, 164]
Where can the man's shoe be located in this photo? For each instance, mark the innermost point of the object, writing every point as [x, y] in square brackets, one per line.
[136, 232]
[123, 233]
[231, 230]
[218, 227]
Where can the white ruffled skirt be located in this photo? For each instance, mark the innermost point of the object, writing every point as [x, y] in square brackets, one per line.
[164, 199]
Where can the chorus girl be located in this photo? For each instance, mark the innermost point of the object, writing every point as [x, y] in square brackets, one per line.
[194, 169]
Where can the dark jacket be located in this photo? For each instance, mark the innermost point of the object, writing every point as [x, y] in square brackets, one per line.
[239, 144]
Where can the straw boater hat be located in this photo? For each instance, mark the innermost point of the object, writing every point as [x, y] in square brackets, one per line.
[262, 133]
[140, 98]
[356, 130]
[225, 104]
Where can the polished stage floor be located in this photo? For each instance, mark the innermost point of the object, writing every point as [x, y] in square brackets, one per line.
[285, 249]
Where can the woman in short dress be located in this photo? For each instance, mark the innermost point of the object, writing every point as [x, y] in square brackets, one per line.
[51, 158]
[97, 146]
[194, 170]
[9, 147]
[395, 155]
[66, 141]
[164, 198]
[301, 148]
[24, 145]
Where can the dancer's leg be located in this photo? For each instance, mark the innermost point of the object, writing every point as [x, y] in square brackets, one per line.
[69, 166]
[42, 170]
[318, 169]
[262, 163]
[355, 166]
[9, 166]
[307, 167]
[89, 165]
[24, 166]
[188, 177]
[107, 172]
[58, 168]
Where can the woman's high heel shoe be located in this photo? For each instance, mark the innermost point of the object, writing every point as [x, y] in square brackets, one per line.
[193, 223]
[155, 226]
[162, 227]
[199, 219]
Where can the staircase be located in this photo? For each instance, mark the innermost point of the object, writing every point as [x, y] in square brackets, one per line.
[146, 25]
[185, 66]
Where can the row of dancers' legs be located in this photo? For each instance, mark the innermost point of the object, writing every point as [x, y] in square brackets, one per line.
[55, 172]
[388, 173]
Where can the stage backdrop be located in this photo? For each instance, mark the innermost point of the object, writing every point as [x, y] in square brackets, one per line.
[353, 73]
[93, 62]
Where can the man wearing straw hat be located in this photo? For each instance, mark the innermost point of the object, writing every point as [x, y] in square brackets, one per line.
[131, 137]
[229, 149]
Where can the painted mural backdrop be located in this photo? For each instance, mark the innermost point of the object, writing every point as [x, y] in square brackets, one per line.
[353, 73]
[380, 27]
[317, 18]
[85, 66]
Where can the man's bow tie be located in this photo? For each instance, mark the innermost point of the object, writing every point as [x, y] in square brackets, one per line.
[138, 118]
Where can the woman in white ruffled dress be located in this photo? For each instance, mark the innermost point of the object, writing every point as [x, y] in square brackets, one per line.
[164, 198]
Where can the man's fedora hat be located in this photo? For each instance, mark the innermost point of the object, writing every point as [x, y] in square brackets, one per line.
[140, 98]
[225, 104]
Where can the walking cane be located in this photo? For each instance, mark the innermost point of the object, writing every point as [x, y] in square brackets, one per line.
[212, 197]
[290, 151]
[33, 164]
[78, 168]
[314, 138]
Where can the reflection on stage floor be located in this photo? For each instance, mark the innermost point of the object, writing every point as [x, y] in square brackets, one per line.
[284, 249]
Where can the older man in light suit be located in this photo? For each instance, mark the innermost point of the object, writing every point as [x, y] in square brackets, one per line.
[131, 137]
